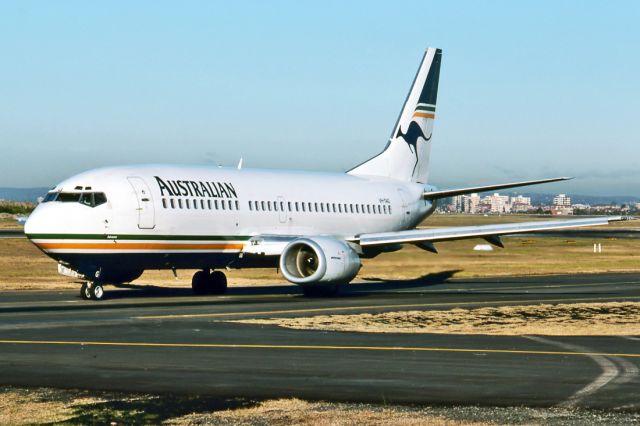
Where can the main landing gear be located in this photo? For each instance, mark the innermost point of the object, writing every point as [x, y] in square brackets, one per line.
[204, 282]
[93, 291]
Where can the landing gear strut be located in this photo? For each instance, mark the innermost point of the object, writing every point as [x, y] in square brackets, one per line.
[93, 291]
[204, 282]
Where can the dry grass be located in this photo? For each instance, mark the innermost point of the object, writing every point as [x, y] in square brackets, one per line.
[298, 412]
[580, 319]
[23, 406]
[9, 221]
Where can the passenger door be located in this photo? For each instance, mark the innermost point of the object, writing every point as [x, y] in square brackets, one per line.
[146, 210]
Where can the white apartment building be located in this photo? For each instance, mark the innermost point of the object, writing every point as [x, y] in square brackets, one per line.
[562, 200]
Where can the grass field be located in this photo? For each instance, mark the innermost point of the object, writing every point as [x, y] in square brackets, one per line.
[23, 266]
[9, 222]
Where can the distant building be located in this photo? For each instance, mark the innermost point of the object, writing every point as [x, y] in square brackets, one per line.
[562, 200]
[521, 204]
[497, 203]
[471, 203]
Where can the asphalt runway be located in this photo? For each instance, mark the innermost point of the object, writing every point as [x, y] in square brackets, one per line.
[150, 339]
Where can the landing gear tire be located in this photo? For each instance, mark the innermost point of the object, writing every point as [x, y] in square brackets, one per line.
[199, 282]
[321, 290]
[85, 291]
[91, 291]
[97, 292]
[217, 282]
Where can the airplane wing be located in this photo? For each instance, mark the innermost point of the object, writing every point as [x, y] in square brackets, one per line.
[489, 232]
[433, 195]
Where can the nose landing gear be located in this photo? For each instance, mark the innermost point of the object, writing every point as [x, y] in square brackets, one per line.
[93, 291]
[204, 282]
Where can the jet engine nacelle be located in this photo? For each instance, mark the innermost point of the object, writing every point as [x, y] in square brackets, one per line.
[319, 260]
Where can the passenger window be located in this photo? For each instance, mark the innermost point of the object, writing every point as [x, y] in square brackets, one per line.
[195, 204]
[164, 203]
[297, 207]
[303, 208]
[202, 204]
[389, 209]
[222, 206]
[209, 204]
[215, 204]
[237, 205]
[281, 206]
[187, 203]
[275, 206]
[173, 203]
[251, 205]
[180, 202]
[263, 206]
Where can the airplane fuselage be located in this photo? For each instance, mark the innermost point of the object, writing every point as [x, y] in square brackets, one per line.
[160, 217]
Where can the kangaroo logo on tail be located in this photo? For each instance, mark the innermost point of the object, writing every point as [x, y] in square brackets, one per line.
[411, 138]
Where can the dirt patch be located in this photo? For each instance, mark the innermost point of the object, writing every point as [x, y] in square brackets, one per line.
[580, 319]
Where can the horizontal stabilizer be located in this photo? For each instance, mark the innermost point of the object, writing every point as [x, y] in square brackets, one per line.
[488, 232]
[433, 195]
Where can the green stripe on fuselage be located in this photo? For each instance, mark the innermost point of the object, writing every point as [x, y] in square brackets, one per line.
[138, 237]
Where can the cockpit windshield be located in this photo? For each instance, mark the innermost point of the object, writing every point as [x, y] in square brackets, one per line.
[91, 199]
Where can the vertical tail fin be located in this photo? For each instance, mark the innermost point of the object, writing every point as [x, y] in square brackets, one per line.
[406, 156]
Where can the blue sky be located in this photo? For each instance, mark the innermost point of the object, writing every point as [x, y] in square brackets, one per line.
[527, 89]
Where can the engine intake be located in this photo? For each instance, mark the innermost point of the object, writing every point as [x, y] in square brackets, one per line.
[319, 260]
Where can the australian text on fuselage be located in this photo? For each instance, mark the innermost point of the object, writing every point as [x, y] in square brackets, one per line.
[205, 189]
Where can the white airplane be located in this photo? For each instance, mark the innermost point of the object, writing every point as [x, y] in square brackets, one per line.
[109, 225]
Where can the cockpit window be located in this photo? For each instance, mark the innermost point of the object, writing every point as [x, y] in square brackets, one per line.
[87, 199]
[51, 196]
[91, 199]
[99, 198]
[69, 197]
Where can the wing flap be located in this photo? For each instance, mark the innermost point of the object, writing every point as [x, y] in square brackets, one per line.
[482, 231]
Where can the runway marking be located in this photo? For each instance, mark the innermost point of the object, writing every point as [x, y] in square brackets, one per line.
[630, 338]
[310, 347]
[355, 308]
[609, 372]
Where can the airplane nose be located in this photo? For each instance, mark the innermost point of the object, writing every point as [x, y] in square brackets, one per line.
[34, 222]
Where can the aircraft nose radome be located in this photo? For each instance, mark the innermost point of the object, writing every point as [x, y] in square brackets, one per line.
[35, 223]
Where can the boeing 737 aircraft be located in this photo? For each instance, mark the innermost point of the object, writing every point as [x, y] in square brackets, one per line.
[108, 225]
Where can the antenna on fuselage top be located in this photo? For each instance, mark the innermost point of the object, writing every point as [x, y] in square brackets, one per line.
[240, 164]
